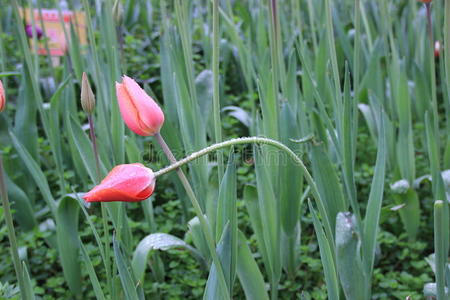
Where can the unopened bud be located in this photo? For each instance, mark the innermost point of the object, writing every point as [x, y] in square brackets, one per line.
[87, 96]
[2, 97]
[117, 12]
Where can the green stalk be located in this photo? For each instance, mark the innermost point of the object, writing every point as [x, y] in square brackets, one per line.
[97, 72]
[439, 248]
[198, 211]
[356, 63]
[44, 32]
[256, 140]
[367, 27]
[278, 46]
[34, 38]
[433, 75]
[274, 57]
[106, 239]
[11, 232]
[447, 46]
[387, 25]
[332, 47]
[447, 73]
[274, 289]
[312, 25]
[298, 19]
[215, 69]
[186, 45]
[94, 146]
[63, 25]
[356, 70]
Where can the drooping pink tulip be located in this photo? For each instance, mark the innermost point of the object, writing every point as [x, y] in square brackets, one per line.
[139, 111]
[128, 182]
[2, 97]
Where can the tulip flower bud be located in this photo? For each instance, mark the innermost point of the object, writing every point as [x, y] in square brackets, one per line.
[117, 12]
[139, 111]
[128, 182]
[2, 97]
[87, 96]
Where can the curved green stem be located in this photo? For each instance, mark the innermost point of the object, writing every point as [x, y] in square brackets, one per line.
[198, 211]
[257, 140]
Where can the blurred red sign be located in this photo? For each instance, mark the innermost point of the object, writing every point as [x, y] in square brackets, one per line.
[56, 27]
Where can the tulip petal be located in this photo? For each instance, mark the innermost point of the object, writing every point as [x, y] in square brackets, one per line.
[112, 195]
[130, 178]
[128, 110]
[128, 182]
[149, 113]
[144, 194]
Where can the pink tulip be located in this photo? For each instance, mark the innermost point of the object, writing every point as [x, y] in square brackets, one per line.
[128, 182]
[139, 111]
[2, 97]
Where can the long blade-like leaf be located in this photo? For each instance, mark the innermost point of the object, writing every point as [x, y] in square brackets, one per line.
[372, 217]
[131, 288]
[68, 245]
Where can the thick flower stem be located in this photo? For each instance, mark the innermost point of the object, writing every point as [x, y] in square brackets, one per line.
[94, 146]
[11, 232]
[257, 140]
[175, 165]
[106, 239]
[198, 211]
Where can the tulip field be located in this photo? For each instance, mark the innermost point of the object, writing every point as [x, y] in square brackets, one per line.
[224, 149]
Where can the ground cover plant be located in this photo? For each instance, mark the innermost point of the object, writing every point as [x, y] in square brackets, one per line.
[259, 149]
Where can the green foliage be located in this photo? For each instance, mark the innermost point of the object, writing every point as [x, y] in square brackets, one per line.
[352, 87]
